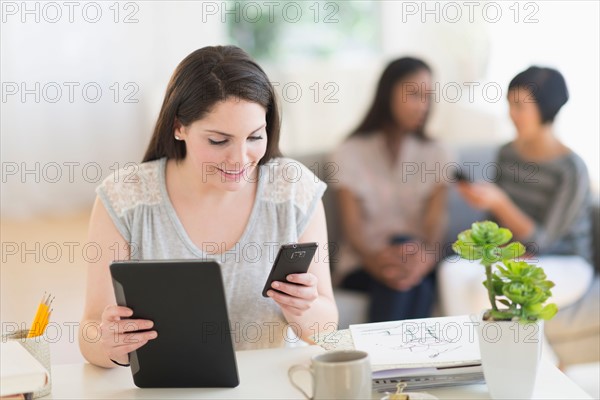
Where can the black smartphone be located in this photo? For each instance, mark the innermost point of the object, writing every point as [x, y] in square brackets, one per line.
[400, 239]
[292, 258]
[460, 176]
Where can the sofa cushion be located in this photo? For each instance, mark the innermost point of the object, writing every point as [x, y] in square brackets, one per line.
[574, 331]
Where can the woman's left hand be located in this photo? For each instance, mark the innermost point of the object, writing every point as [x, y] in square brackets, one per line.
[295, 297]
[416, 266]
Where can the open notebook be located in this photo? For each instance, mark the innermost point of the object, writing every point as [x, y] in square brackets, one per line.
[20, 372]
[424, 353]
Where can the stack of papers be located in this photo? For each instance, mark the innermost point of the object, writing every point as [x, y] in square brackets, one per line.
[424, 353]
[20, 372]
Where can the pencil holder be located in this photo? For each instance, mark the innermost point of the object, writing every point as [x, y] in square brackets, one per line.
[39, 348]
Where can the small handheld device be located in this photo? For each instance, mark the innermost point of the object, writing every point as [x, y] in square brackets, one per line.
[460, 176]
[291, 259]
[400, 239]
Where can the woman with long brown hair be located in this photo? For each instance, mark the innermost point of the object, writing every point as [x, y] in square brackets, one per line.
[392, 197]
[212, 184]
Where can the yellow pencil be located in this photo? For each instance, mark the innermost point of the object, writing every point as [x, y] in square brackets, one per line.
[40, 316]
[45, 323]
[45, 318]
[40, 322]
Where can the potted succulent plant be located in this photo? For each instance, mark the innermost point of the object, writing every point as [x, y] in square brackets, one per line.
[510, 333]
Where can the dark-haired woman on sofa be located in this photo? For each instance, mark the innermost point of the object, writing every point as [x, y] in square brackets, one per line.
[392, 199]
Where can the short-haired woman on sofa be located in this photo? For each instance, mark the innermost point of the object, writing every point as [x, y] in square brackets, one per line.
[541, 193]
[392, 199]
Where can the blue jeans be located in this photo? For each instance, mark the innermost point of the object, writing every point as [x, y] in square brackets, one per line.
[388, 304]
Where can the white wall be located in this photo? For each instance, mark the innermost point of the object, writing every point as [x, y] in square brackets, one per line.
[143, 53]
[567, 37]
[474, 49]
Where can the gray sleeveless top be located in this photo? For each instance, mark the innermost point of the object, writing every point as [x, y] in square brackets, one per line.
[286, 198]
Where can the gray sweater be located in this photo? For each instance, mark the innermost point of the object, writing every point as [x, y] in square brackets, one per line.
[556, 195]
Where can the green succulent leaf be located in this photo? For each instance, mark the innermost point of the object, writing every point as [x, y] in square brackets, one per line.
[497, 285]
[547, 284]
[465, 236]
[504, 315]
[467, 251]
[505, 302]
[484, 232]
[477, 234]
[501, 236]
[517, 292]
[491, 255]
[548, 312]
[533, 309]
[512, 250]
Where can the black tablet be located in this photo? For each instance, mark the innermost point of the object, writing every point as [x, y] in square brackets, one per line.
[186, 301]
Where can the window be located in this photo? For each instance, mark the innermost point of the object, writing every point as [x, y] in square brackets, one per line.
[293, 31]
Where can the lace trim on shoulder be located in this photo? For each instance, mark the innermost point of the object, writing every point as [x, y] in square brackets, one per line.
[126, 189]
[289, 180]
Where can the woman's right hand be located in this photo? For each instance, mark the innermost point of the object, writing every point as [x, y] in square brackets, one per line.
[119, 336]
[484, 196]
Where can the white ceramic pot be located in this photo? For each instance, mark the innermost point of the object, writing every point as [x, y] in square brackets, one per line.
[510, 355]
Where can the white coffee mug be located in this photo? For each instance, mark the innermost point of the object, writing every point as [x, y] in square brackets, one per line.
[342, 374]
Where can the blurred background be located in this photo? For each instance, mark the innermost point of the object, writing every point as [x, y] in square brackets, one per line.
[82, 84]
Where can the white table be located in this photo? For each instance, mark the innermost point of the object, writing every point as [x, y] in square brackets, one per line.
[263, 375]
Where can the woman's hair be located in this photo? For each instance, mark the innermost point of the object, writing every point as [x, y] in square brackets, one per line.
[380, 114]
[548, 88]
[205, 77]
